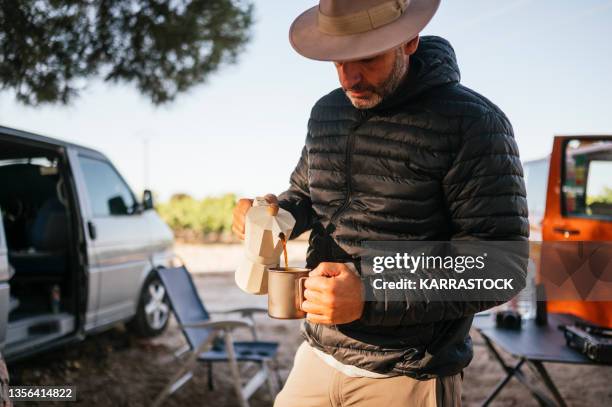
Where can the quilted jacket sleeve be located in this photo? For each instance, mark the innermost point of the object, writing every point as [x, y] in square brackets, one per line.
[486, 200]
[296, 199]
[484, 189]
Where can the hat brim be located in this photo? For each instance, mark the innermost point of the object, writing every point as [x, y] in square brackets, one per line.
[308, 41]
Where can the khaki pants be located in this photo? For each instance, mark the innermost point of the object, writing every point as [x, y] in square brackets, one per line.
[313, 383]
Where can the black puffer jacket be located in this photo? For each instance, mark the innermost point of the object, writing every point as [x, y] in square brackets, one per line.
[433, 161]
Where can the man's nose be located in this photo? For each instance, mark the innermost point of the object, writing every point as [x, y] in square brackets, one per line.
[349, 75]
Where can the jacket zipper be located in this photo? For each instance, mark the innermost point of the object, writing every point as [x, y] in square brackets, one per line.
[349, 163]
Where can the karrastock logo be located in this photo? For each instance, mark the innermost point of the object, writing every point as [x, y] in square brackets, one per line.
[444, 271]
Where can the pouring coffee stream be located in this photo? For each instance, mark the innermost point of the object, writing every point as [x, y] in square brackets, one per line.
[285, 256]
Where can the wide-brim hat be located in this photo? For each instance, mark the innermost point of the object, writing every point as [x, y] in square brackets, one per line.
[345, 30]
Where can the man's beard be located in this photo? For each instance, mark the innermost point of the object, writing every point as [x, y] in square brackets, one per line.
[379, 93]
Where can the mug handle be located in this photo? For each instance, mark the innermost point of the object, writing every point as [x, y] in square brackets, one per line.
[301, 289]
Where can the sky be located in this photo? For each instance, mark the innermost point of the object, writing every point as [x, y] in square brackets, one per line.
[546, 63]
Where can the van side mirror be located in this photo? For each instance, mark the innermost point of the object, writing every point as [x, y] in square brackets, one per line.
[147, 200]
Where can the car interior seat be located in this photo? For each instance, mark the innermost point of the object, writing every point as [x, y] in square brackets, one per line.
[45, 254]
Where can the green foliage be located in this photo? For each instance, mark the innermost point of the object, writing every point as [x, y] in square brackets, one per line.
[211, 214]
[49, 48]
[605, 197]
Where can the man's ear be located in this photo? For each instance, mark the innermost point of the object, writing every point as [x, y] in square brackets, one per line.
[411, 46]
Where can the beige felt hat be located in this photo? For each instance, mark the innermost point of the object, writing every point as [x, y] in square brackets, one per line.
[345, 30]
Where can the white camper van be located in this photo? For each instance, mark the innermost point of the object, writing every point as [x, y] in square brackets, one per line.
[77, 249]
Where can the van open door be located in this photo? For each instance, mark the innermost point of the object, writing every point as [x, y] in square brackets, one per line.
[5, 275]
[579, 207]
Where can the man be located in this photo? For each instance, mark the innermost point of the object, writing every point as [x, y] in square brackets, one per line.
[402, 151]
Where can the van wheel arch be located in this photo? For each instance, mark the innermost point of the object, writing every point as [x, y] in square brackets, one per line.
[153, 308]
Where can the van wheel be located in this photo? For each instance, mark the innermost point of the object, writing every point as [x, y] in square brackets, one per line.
[153, 310]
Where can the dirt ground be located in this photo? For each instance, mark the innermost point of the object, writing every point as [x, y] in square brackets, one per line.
[117, 369]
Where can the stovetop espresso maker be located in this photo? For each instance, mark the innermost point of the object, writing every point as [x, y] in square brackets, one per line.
[265, 227]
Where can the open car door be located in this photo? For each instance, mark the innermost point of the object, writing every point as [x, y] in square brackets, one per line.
[579, 209]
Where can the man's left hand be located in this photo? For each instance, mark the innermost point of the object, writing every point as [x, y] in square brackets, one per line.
[334, 294]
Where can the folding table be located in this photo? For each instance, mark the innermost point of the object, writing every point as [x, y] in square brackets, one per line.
[532, 345]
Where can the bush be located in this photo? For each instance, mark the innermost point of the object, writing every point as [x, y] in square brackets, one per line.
[209, 215]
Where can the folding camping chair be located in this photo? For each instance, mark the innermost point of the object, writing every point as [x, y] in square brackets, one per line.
[201, 333]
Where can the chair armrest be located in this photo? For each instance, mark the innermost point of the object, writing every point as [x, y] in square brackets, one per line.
[245, 312]
[224, 325]
[219, 324]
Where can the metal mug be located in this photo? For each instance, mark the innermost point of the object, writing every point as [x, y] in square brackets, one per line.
[286, 292]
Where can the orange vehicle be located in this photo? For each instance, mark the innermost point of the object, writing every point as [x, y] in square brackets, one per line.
[570, 199]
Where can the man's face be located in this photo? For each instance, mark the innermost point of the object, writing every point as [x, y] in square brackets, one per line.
[367, 81]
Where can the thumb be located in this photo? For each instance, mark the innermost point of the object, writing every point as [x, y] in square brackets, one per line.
[271, 199]
[326, 269]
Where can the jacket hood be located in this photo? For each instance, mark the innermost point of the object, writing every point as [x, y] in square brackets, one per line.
[433, 64]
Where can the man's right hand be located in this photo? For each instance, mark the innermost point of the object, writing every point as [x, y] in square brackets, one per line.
[242, 208]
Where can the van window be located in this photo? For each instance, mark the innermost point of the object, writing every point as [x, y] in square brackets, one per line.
[108, 194]
[587, 186]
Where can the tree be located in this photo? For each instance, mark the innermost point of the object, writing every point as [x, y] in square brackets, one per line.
[49, 48]
[211, 214]
[605, 196]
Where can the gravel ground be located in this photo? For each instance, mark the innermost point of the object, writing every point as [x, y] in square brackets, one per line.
[115, 368]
